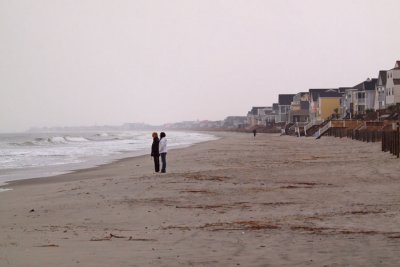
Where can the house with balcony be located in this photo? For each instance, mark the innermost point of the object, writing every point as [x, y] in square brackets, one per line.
[284, 102]
[266, 117]
[392, 89]
[364, 96]
[300, 108]
[346, 106]
[380, 91]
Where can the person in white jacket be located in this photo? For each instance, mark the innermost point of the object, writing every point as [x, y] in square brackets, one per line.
[163, 151]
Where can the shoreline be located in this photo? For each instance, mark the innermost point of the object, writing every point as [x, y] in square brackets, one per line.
[58, 177]
[46, 179]
[277, 200]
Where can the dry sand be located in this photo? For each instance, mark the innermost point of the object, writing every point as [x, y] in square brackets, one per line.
[272, 201]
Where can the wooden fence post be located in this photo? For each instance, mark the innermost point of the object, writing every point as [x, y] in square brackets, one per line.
[397, 141]
[384, 141]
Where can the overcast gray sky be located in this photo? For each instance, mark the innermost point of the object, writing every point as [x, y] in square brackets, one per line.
[92, 62]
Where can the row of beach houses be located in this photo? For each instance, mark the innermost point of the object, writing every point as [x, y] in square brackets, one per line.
[317, 105]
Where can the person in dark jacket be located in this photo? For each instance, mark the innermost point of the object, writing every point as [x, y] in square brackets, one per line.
[154, 152]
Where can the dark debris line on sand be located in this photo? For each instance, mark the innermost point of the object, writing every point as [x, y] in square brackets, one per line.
[130, 238]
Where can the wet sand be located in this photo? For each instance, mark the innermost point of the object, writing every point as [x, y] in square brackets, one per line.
[238, 201]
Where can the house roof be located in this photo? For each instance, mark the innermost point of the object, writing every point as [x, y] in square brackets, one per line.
[330, 94]
[366, 85]
[285, 99]
[397, 65]
[382, 77]
[315, 93]
[371, 84]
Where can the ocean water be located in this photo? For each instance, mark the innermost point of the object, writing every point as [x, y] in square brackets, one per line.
[31, 155]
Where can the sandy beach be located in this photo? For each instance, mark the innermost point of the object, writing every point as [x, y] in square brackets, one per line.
[237, 201]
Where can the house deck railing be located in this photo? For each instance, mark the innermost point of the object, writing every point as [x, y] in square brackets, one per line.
[322, 130]
[310, 125]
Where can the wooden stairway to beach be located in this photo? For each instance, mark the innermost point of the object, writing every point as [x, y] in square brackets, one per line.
[323, 129]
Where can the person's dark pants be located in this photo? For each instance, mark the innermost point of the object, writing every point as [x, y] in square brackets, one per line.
[157, 163]
[164, 162]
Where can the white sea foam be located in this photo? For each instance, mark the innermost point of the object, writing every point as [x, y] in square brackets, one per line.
[5, 189]
[75, 139]
[37, 155]
[57, 140]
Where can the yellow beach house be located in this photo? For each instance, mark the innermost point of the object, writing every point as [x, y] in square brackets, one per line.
[328, 104]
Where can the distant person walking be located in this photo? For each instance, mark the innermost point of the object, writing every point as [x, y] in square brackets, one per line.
[254, 133]
[163, 151]
[155, 153]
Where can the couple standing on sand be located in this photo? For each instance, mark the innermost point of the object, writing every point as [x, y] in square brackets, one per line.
[159, 148]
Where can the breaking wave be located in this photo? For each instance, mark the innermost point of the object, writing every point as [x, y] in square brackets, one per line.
[55, 140]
